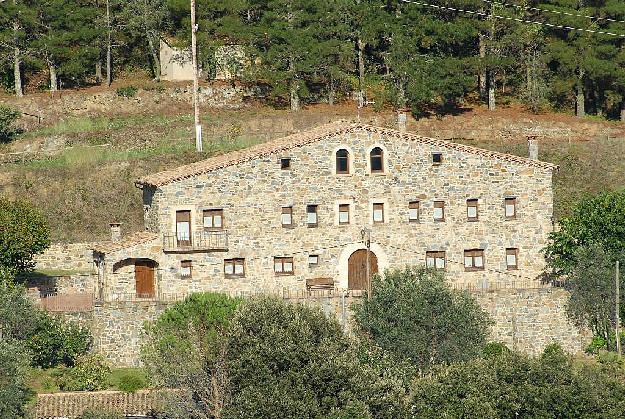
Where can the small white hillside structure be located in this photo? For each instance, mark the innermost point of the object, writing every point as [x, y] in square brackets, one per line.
[176, 63]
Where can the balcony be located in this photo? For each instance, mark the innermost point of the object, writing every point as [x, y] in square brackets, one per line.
[201, 241]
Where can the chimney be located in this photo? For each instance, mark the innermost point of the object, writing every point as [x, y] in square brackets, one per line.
[116, 231]
[533, 147]
[401, 120]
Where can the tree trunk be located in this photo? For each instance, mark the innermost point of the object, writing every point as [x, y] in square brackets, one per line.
[295, 106]
[17, 72]
[361, 72]
[491, 91]
[482, 75]
[53, 81]
[155, 58]
[109, 76]
[331, 92]
[98, 71]
[623, 111]
[580, 107]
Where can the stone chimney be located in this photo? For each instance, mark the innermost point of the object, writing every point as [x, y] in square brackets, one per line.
[533, 147]
[401, 120]
[116, 231]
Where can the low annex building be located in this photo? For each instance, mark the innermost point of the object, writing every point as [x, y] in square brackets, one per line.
[295, 213]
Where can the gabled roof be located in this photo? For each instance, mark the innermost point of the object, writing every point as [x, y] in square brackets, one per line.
[126, 242]
[314, 135]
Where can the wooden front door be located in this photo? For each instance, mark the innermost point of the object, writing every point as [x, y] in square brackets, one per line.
[357, 269]
[183, 228]
[144, 278]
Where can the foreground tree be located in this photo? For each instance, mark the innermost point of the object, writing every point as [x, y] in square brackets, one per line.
[415, 316]
[14, 390]
[23, 234]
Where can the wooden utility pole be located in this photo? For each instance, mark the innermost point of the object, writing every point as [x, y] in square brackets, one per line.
[109, 41]
[618, 317]
[196, 110]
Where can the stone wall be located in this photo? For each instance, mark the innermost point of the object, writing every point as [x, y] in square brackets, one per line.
[526, 320]
[66, 257]
[82, 283]
[252, 207]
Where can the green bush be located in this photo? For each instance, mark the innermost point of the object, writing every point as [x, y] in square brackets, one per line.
[127, 91]
[90, 373]
[94, 413]
[415, 316]
[58, 342]
[131, 381]
[8, 117]
[495, 349]
[14, 392]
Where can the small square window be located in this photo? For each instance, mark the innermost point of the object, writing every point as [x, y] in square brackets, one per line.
[285, 163]
[472, 212]
[312, 217]
[313, 260]
[287, 217]
[510, 208]
[474, 260]
[213, 219]
[439, 210]
[186, 269]
[437, 158]
[343, 214]
[378, 213]
[435, 260]
[283, 265]
[512, 258]
[234, 267]
[413, 211]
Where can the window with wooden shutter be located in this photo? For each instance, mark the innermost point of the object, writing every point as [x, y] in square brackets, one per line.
[512, 258]
[312, 218]
[378, 213]
[213, 219]
[342, 162]
[413, 211]
[234, 267]
[439, 210]
[510, 208]
[472, 210]
[435, 260]
[186, 269]
[183, 228]
[283, 265]
[287, 217]
[376, 160]
[474, 260]
[343, 214]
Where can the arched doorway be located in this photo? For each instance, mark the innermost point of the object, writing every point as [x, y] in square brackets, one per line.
[357, 269]
[144, 278]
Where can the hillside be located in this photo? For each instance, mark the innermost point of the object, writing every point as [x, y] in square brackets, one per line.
[81, 169]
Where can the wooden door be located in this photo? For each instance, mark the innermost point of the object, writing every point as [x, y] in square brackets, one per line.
[357, 269]
[144, 278]
[183, 228]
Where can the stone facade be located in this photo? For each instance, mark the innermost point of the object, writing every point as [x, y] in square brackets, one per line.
[252, 189]
[66, 257]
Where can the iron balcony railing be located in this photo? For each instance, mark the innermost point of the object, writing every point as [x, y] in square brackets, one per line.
[200, 241]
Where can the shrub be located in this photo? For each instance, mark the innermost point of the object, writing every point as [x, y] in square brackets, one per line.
[94, 413]
[58, 342]
[495, 349]
[131, 381]
[415, 316]
[90, 374]
[127, 91]
[8, 117]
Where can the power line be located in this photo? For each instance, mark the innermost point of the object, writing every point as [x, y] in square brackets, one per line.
[558, 12]
[532, 22]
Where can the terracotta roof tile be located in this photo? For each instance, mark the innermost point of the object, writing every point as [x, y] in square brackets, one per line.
[128, 241]
[317, 134]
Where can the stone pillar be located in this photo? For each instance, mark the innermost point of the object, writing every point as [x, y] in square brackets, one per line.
[116, 231]
[533, 147]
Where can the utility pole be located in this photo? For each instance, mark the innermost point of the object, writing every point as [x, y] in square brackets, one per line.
[618, 317]
[196, 110]
[366, 237]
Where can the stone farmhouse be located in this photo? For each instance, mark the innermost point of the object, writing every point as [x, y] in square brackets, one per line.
[298, 213]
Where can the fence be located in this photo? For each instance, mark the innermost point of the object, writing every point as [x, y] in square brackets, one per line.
[73, 405]
[73, 303]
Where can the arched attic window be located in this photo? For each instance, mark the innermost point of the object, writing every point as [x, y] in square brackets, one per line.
[342, 161]
[376, 159]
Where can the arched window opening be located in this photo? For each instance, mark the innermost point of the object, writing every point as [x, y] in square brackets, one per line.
[377, 160]
[342, 161]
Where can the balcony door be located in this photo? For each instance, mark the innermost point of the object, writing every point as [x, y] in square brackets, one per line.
[183, 228]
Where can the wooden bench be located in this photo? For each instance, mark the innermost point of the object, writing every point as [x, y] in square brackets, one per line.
[319, 283]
